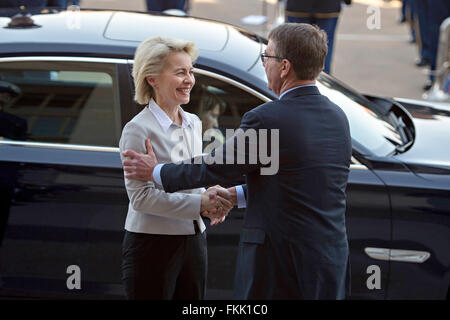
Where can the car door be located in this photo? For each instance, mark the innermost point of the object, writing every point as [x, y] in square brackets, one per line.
[368, 220]
[63, 198]
[419, 254]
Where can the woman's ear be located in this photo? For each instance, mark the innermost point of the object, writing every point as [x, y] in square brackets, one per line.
[151, 81]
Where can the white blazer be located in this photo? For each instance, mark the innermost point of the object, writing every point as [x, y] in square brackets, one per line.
[151, 209]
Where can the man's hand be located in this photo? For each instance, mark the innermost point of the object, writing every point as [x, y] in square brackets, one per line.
[216, 201]
[233, 199]
[139, 166]
[233, 195]
[220, 204]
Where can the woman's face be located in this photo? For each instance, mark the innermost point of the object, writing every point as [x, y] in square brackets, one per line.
[173, 85]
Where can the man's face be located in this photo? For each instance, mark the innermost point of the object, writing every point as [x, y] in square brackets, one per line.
[272, 67]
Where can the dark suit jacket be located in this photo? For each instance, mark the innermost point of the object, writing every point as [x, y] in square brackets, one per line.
[294, 242]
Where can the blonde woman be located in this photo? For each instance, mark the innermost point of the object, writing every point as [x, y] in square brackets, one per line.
[164, 248]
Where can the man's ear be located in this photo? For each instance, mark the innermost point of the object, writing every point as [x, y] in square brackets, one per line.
[285, 68]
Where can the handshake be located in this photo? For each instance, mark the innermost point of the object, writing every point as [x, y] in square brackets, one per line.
[217, 202]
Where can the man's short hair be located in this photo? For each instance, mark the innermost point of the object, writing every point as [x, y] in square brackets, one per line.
[304, 45]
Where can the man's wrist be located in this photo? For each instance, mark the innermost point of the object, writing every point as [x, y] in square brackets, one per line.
[240, 196]
[156, 175]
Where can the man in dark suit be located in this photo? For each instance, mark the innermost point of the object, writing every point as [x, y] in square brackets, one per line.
[294, 243]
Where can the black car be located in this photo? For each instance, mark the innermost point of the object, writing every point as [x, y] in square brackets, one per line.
[62, 197]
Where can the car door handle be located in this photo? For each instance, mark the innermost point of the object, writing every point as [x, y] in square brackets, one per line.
[397, 255]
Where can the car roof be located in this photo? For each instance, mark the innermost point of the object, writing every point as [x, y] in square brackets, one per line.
[117, 34]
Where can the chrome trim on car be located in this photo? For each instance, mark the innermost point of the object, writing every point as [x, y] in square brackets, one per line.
[58, 146]
[358, 166]
[397, 255]
[377, 253]
[354, 160]
[409, 256]
[92, 148]
[64, 59]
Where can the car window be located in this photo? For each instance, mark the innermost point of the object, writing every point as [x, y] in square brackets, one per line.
[60, 102]
[219, 105]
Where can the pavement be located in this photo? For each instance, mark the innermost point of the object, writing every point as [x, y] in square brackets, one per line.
[376, 61]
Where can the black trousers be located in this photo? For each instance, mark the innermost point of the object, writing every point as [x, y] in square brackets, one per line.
[164, 267]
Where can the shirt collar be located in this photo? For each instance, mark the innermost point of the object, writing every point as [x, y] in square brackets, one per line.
[289, 90]
[163, 119]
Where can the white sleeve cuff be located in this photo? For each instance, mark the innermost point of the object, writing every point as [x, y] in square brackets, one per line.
[157, 175]
[241, 201]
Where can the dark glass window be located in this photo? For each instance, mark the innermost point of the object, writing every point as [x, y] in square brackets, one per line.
[219, 105]
[61, 102]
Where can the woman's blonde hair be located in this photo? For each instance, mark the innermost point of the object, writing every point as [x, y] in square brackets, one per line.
[150, 58]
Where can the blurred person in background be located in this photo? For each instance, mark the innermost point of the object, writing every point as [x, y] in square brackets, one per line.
[15, 128]
[37, 4]
[21, 12]
[11, 126]
[323, 13]
[438, 11]
[62, 3]
[162, 5]
[402, 18]
[34, 4]
[420, 11]
[428, 16]
[209, 111]
[409, 17]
